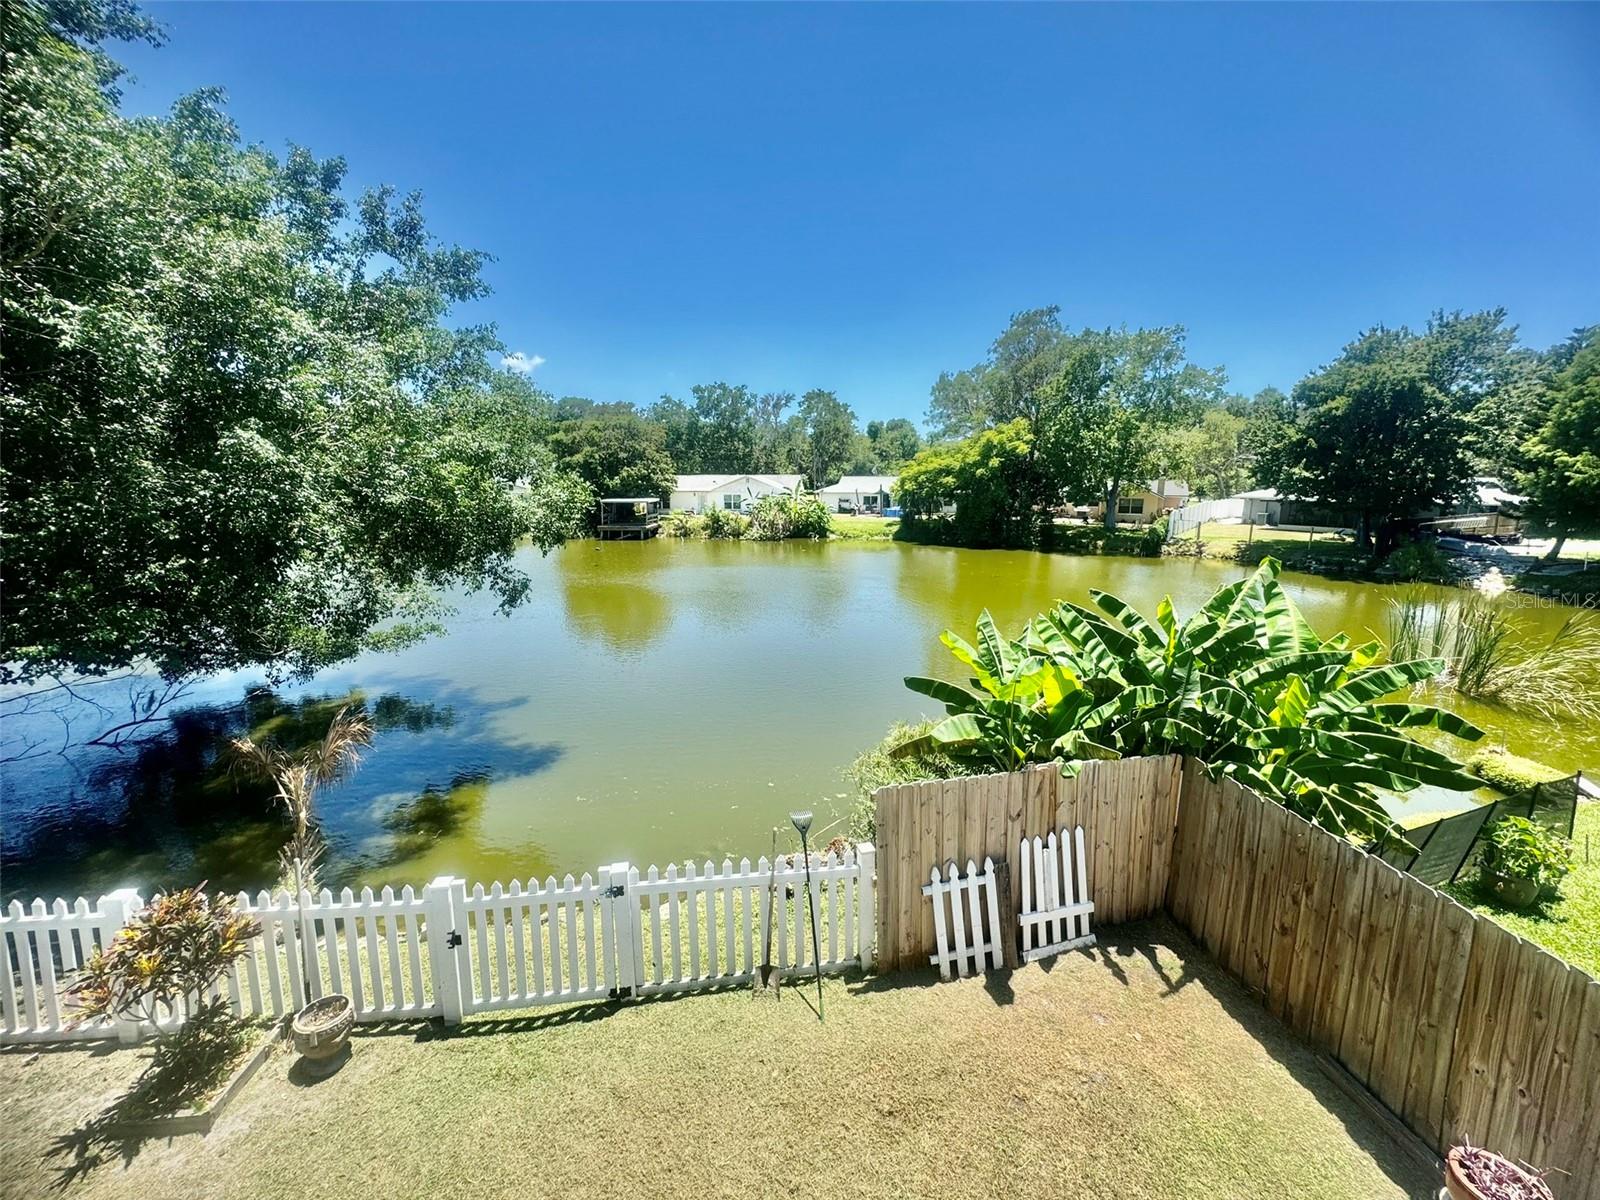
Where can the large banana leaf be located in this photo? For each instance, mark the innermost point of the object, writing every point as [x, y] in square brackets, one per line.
[1244, 684]
[1378, 682]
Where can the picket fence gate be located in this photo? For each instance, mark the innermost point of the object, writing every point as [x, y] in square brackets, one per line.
[1055, 895]
[447, 952]
[971, 932]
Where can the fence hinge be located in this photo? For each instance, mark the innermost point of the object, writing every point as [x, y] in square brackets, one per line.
[617, 890]
[452, 940]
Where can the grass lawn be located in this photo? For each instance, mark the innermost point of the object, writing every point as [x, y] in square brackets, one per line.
[1135, 1071]
[863, 529]
[1570, 927]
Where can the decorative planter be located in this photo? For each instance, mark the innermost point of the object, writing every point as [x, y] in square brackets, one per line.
[1514, 892]
[321, 1031]
[1509, 1175]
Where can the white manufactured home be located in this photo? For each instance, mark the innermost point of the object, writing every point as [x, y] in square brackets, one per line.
[870, 494]
[699, 493]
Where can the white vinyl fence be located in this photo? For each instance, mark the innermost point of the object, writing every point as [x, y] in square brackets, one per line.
[446, 952]
[1185, 520]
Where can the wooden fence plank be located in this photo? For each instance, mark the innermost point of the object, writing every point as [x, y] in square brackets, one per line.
[1222, 854]
[1312, 922]
[1438, 1011]
[1398, 1028]
[1286, 915]
[1270, 846]
[1339, 950]
[1231, 946]
[1469, 1091]
[1135, 843]
[1525, 1050]
[1564, 1085]
[1164, 843]
[1358, 1047]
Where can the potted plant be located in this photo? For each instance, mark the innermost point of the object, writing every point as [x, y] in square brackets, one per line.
[1523, 860]
[167, 960]
[1472, 1173]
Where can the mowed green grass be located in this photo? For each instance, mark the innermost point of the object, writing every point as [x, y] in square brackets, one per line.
[1134, 1071]
[1569, 927]
[860, 529]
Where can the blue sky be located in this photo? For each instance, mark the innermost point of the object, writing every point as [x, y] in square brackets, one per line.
[856, 197]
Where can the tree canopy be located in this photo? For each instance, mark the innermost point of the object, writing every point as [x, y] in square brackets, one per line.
[1563, 479]
[1383, 431]
[990, 477]
[239, 429]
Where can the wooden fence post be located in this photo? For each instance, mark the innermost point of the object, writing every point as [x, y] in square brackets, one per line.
[116, 910]
[445, 900]
[867, 925]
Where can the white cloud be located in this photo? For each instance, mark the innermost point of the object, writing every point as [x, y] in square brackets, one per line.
[522, 364]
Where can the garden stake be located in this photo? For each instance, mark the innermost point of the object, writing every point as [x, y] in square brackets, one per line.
[767, 979]
[802, 822]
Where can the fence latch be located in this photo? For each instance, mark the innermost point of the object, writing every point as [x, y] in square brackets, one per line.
[452, 940]
[616, 891]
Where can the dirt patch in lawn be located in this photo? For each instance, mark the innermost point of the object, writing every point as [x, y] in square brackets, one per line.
[1135, 1070]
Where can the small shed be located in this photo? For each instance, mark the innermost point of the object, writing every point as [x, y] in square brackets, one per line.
[630, 517]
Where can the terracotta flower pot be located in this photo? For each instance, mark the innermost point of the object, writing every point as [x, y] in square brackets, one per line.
[321, 1030]
[1460, 1187]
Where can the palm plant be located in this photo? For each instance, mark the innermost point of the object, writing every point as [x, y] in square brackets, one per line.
[1245, 685]
[298, 774]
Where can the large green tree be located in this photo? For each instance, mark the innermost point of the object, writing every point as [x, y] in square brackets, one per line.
[1216, 455]
[895, 442]
[990, 478]
[831, 434]
[1563, 479]
[616, 451]
[1113, 412]
[240, 429]
[1385, 431]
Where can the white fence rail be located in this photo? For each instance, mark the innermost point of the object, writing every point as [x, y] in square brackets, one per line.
[445, 952]
[1055, 895]
[1183, 521]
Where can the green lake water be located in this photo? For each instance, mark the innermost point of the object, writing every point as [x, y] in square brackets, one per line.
[652, 701]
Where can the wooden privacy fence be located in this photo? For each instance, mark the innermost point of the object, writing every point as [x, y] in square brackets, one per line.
[1127, 808]
[448, 952]
[1462, 1029]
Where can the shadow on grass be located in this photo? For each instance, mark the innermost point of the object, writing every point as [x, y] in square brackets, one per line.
[185, 1069]
[1400, 1154]
[1148, 947]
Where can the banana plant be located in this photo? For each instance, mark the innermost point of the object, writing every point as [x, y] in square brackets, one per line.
[1245, 685]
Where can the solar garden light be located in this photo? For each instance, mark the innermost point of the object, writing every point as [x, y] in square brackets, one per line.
[802, 822]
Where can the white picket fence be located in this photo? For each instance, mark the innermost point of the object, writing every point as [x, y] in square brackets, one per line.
[971, 931]
[447, 953]
[688, 915]
[1055, 909]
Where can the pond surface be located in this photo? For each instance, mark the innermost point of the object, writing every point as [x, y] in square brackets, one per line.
[651, 702]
